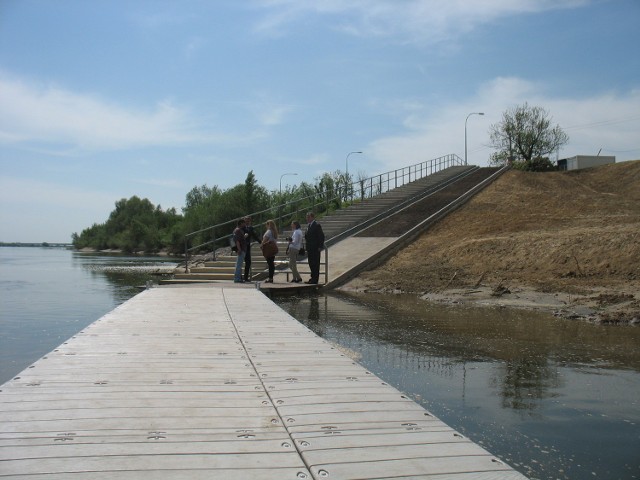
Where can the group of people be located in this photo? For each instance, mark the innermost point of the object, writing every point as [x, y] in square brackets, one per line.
[244, 234]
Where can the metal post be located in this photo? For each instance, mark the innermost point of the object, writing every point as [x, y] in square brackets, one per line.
[326, 265]
[346, 174]
[284, 174]
[186, 255]
[465, 134]
[347, 166]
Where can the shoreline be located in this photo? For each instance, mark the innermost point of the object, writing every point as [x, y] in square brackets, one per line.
[161, 253]
[604, 306]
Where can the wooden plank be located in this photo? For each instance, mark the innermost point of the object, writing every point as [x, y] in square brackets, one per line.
[425, 467]
[186, 446]
[144, 425]
[167, 462]
[185, 472]
[390, 452]
[133, 436]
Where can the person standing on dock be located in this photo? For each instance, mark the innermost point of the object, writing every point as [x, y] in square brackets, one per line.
[249, 234]
[295, 244]
[241, 246]
[270, 248]
[314, 237]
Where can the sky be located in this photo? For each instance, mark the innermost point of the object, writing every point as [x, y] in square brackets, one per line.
[106, 99]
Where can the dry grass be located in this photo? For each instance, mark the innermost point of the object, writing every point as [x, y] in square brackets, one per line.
[573, 231]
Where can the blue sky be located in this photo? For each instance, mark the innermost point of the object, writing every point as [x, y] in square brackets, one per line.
[105, 99]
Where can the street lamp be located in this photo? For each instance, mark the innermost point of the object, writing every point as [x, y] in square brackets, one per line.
[465, 134]
[284, 174]
[347, 164]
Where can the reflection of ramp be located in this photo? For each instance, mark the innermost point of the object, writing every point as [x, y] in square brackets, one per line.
[373, 244]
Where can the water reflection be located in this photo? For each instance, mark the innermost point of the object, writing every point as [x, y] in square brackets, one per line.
[49, 294]
[523, 381]
[123, 275]
[554, 398]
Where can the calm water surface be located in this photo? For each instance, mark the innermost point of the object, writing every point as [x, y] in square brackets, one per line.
[554, 398]
[49, 294]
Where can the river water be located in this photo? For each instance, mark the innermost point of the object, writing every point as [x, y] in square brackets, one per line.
[556, 399]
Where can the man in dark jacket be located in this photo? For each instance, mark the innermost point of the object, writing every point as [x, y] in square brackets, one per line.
[241, 248]
[314, 238]
[249, 235]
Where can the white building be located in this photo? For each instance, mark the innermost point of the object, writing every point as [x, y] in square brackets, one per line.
[584, 161]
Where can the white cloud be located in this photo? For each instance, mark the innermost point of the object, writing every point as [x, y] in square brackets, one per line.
[421, 21]
[268, 111]
[60, 122]
[318, 159]
[63, 119]
[609, 121]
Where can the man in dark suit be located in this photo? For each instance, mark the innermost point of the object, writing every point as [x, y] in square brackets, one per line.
[314, 238]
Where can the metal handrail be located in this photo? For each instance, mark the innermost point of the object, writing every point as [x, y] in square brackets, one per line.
[367, 188]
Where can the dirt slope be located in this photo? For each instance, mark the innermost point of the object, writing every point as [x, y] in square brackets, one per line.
[573, 234]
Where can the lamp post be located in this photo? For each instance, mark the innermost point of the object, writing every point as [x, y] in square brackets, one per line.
[465, 134]
[284, 174]
[279, 220]
[346, 175]
[347, 164]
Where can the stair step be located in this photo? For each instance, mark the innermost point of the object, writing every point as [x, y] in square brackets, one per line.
[203, 276]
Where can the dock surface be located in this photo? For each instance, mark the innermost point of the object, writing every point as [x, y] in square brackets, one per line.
[217, 382]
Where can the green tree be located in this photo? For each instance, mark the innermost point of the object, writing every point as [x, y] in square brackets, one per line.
[209, 206]
[252, 193]
[199, 196]
[94, 237]
[134, 225]
[524, 137]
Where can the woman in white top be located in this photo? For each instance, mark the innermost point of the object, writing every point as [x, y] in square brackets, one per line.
[295, 244]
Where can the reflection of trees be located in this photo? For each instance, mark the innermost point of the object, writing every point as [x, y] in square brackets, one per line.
[407, 358]
[406, 342]
[405, 337]
[525, 381]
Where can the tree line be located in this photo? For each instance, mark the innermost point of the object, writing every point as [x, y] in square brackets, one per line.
[137, 225]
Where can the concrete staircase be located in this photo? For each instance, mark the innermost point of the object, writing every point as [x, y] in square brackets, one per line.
[223, 268]
[337, 225]
[348, 221]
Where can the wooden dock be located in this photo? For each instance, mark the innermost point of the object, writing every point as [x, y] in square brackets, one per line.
[217, 382]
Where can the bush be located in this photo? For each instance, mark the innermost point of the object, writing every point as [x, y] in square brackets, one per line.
[537, 164]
